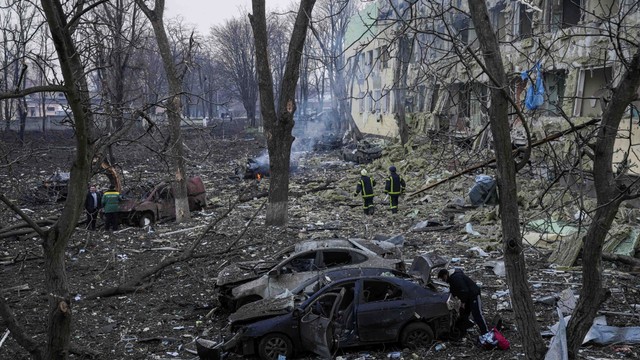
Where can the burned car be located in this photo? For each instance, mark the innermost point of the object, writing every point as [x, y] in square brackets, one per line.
[245, 282]
[422, 267]
[363, 152]
[286, 301]
[159, 203]
[351, 312]
[55, 186]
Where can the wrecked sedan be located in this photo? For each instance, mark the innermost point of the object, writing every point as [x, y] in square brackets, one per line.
[301, 262]
[422, 267]
[351, 312]
[286, 301]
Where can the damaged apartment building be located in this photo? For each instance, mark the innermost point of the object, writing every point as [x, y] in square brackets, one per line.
[573, 46]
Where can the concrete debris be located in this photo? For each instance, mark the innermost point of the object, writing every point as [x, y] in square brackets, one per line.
[469, 230]
[497, 267]
[476, 252]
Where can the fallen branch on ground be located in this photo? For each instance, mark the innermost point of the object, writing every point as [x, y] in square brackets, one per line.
[142, 279]
[628, 260]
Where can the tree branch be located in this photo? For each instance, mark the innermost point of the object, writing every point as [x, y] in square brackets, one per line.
[18, 333]
[24, 216]
[32, 90]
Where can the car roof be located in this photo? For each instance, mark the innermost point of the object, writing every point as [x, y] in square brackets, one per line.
[397, 281]
[342, 273]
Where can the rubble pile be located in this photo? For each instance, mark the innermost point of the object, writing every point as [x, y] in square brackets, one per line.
[167, 312]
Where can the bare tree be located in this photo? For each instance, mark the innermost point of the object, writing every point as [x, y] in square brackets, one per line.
[117, 27]
[509, 211]
[235, 53]
[174, 107]
[330, 34]
[61, 25]
[279, 123]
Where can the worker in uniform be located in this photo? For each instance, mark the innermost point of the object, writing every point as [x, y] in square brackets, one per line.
[394, 187]
[365, 187]
[111, 208]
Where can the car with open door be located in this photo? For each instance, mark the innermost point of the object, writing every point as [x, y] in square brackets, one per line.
[351, 312]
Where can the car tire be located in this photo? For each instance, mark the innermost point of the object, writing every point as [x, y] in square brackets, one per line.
[145, 219]
[416, 335]
[273, 345]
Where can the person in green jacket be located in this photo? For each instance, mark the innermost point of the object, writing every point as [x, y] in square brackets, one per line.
[111, 208]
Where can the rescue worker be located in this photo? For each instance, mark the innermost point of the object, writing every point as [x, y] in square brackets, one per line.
[394, 186]
[111, 206]
[365, 187]
[465, 289]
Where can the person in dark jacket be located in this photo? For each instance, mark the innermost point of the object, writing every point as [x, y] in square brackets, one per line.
[465, 289]
[365, 187]
[111, 205]
[92, 205]
[394, 186]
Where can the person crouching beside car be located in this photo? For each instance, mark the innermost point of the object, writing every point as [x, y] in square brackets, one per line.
[465, 289]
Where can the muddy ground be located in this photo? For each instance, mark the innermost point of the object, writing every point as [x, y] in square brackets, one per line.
[163, 316]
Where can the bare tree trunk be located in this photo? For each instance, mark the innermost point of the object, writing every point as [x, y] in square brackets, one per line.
[608, 197]
[278, 126]
[55, 240]
[400, 81]
[528, 329]
[173, 108]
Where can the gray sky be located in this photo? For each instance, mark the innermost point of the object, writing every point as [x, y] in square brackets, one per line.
[204, 13]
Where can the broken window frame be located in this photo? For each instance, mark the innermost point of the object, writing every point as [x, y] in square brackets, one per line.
[578, 104]
[555, 86]
[561, 14]
[499, 20]
[523, 21]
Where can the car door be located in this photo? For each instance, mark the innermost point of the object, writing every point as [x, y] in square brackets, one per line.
[166, 203]
[316, 328]
[383, 309]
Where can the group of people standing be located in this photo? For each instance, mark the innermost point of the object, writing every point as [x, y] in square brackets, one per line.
[394, 187]
[108, 202]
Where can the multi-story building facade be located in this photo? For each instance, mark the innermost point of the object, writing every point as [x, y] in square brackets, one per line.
[578, 44]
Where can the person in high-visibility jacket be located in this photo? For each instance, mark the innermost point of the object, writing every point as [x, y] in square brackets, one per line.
[394, 186]
[111, 208]
[365, 187]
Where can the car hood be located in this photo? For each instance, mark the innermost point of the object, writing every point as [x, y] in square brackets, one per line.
[263, 309]
[243, 271]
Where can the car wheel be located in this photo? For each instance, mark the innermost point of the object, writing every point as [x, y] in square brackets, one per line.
[145, 219]
[273, 345]
[416, 335]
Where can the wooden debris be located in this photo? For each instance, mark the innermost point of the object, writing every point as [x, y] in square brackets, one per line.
[15, 288]
[567, 251]
[183, 230]
[4, 337]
